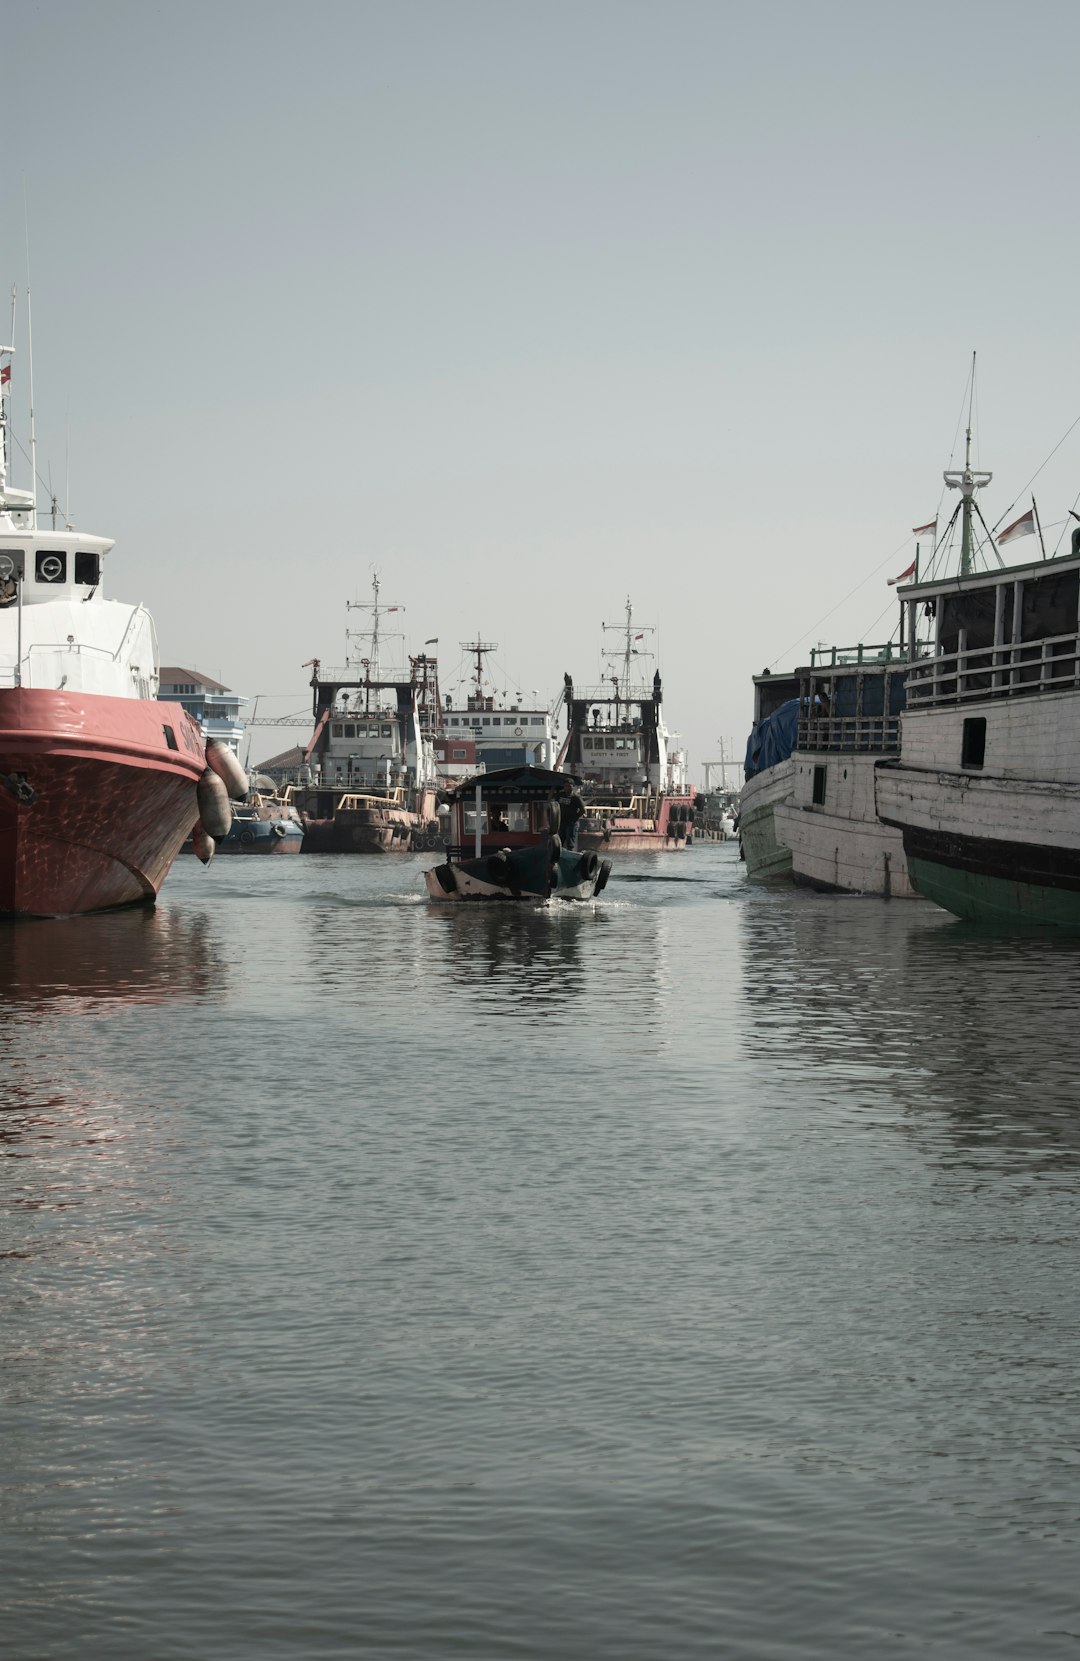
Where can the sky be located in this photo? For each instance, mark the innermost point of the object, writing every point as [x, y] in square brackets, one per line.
[534, 309]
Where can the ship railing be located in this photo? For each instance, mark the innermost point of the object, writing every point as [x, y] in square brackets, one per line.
[833, 657]
[353, 801]
[604, 694]
[867, 733]
[1011, 669]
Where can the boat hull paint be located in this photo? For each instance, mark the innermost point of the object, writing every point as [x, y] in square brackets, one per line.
[107, 801]
[767, 860]
[536, 880]
[275, 836]
[981, 897]
[841, 846]
[1027, 873]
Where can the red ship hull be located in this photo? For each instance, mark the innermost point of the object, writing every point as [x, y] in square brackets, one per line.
[607, 830]
[96, 797]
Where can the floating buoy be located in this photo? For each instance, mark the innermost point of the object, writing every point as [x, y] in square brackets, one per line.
[227, 767]
[215, 809]
[202, 844]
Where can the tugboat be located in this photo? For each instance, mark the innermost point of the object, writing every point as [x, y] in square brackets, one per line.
[100, 782]
[265, 822]
[634, 779]
[371, 752]
[512, 836]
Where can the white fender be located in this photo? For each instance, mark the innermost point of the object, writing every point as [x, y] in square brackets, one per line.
[215, 809]
[202, 844]
[228, 769]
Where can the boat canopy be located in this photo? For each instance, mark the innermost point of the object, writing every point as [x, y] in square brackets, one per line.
[773, 739]
[518, 784]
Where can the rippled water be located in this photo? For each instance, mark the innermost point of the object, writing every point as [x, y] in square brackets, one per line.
[693, 1274]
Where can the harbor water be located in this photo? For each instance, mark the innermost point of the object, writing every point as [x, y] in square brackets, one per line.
[689, 1274]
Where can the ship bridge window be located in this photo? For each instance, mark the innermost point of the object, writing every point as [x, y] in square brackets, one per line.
[387, 732]
[87, 568]
[350, 729]
[496, 721]
[336, 730]
[50, 566]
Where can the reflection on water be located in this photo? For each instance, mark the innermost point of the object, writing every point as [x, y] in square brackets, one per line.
[705, 1307]
[142, 955]
[872, 1000]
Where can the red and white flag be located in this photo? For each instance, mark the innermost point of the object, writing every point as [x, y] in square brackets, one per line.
[639, 637]
[5, 375]
[910, 572]
[1024, 526]
[924, 530]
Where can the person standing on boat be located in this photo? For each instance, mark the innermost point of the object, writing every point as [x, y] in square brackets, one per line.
[572, 811]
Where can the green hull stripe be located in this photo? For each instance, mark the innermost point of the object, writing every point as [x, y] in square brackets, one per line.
[983, 899]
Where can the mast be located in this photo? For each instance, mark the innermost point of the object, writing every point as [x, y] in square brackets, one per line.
[967, 482]
[479, 649]
[371, 662]
[624, 682]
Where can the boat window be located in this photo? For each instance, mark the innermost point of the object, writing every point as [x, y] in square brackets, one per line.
[973, 749]
[459, 755]
[496, 721]
[87, 568]
[336, 730]
[50, 566]
[819, 786]
[387, 732]
[350, 730]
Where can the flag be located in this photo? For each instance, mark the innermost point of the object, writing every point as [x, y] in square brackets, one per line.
[434, 641]
[924, 530]
[5, 375]
[910, 572]
[1024, 526]
[639, 637]
[391, 608]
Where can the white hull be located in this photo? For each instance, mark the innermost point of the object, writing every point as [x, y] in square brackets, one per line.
[765, 857]
[840, 843]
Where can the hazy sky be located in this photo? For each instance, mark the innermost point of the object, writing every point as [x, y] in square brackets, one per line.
[537, 306]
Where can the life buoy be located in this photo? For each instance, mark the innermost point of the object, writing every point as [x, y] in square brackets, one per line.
[518, 732]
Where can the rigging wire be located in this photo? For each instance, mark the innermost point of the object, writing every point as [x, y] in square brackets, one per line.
[880, 566]
[1036, 473]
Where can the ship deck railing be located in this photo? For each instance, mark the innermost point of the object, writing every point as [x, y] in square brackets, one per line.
[353, 801]
[867, 734]
[1012, 669]
[835, 657]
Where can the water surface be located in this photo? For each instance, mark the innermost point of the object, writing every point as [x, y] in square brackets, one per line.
[688, 1274]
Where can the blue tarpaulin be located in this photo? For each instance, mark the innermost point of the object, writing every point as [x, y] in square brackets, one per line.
[773, 739]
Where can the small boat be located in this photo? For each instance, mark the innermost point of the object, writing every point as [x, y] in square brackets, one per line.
[265, 822]
[512, 836]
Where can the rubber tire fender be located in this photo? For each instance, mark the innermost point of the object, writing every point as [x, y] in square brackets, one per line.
[602, 879]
